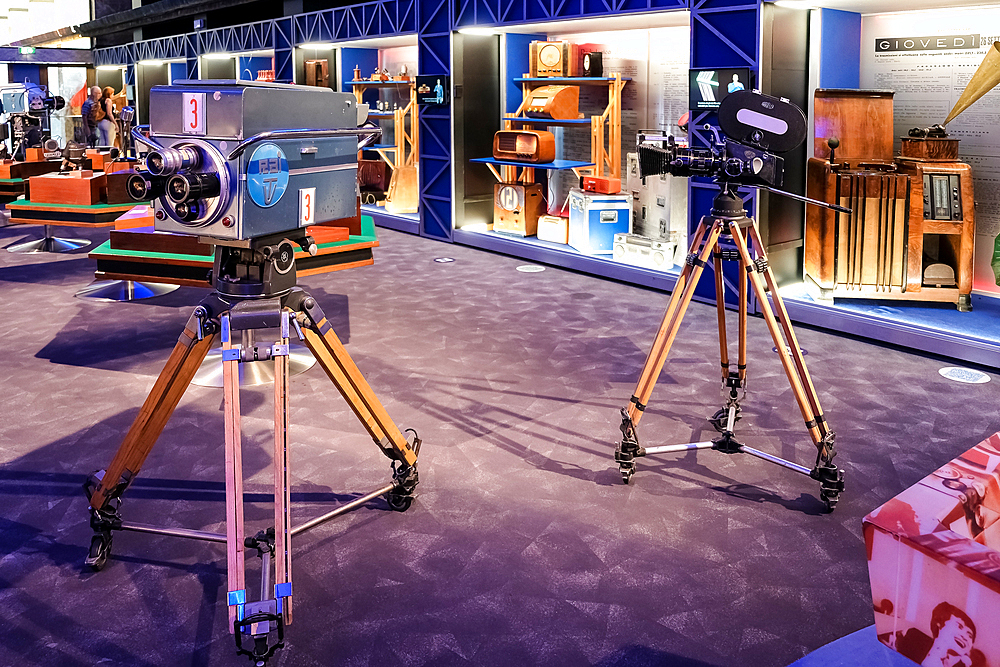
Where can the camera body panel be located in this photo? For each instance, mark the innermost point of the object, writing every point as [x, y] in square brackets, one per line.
[274, 186]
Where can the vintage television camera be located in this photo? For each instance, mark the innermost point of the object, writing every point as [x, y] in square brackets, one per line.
[223, 165]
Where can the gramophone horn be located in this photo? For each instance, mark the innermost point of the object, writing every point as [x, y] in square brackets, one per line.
[982, 82]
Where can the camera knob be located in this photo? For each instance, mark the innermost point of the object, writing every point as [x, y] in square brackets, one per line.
[734, 167]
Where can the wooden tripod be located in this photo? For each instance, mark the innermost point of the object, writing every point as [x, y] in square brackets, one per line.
[729, 219]
[296, 309]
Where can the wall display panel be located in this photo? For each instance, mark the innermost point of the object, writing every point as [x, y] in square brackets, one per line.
[927, 58]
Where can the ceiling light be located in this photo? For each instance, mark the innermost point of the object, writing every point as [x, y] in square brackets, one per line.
[479, 31]
[152, 63]
[217, 56]
[107, 67]
[795, 4]
[316, 45]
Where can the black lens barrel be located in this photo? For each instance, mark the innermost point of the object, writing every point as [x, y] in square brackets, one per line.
[191, 186]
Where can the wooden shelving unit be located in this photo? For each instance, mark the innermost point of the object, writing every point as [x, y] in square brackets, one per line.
[605, 129]
[403, 194]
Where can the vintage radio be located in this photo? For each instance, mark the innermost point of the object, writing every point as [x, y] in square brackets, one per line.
[534, 146]
[553, 59]
[636, 250]
[593, 63]
[516, 208]
[911, 228]
[602, 184]
[553, 228]
[318, 73]
[555, 102]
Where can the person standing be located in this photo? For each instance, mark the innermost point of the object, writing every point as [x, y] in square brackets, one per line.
[106, 126]
[89, 111]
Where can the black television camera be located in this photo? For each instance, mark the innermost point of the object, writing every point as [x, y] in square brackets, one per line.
[754, 124]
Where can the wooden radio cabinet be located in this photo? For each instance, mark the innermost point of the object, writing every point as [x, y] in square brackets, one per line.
[911, 229]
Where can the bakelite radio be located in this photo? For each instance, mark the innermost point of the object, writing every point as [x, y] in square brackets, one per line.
[555, 102]
[516, 208]
[532, 146]
[553, 59]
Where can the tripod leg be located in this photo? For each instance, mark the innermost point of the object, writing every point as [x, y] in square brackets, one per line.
[345, 375]
[703, 244]
[679, 301]
[831, 479]
[796, 351]
[159, 405]
[234, 478]
[720, 302]
[282, 493]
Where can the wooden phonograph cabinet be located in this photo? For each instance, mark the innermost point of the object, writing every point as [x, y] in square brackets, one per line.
[911, 231]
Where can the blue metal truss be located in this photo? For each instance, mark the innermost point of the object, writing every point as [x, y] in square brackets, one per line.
[434, 27]
[724, 33]
[500, 12]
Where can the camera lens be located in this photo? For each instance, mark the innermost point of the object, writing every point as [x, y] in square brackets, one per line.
[186, 187]
[143, 188]
[171, 160]
[188, 211]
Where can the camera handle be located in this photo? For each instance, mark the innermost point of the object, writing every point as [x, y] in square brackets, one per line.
[808, 200]
[371, 134]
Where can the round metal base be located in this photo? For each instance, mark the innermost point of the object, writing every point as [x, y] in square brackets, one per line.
[252, 373]
[123, 290]
[49, 244]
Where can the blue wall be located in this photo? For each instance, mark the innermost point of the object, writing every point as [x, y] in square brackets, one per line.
[518, 63]
[840, 49]
[21, 72]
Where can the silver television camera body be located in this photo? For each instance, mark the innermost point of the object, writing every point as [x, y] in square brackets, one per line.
[224, 163]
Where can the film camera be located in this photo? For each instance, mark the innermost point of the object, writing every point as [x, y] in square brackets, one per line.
[221, 165]
[753, 124]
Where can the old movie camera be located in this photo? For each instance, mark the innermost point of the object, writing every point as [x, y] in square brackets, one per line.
[220, 167]
[754, 128]
[753, 125]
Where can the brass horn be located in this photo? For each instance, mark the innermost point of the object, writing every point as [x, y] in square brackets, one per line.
[982, 82]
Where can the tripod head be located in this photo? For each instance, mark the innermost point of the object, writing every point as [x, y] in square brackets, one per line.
[259, 268]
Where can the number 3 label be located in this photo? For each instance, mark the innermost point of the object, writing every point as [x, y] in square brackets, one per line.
[307, 206]
[193, 113]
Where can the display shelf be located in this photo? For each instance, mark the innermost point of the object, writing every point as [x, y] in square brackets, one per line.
[361, 83]
[581, 80]
[402, 195]
[564, 256]
[401, 222]
[550, 121]
[554, 165]
[933, 328]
